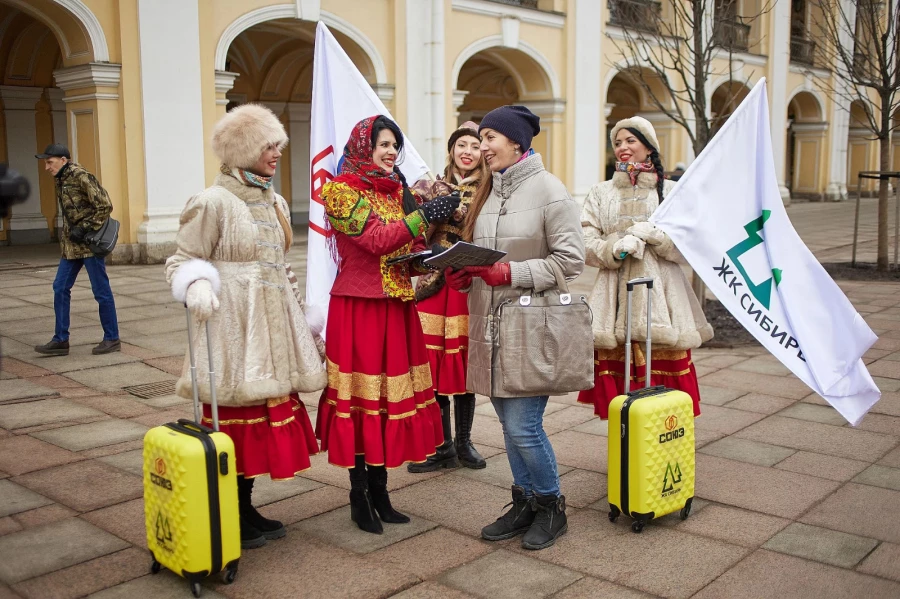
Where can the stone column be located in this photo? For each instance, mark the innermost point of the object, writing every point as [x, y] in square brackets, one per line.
[60, 129]
[779, 58]
[28, 224]
[551, 112]
[590, 128]
[174, 146]
[298, 120]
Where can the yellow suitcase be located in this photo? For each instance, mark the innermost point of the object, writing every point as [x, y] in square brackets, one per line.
[190, 495]
[650, 444]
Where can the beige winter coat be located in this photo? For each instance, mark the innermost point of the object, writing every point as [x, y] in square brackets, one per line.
[529, 215]
[262, 345]
[609, 210]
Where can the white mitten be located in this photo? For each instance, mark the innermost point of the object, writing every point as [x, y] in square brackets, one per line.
[316, 317]
[629, 245]
[648, 232]
[201, 300]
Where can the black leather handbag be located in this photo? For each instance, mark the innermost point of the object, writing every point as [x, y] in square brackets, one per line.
[102, 241]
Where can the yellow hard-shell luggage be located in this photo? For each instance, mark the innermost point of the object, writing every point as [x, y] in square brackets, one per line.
[650, 443]
[190, 494]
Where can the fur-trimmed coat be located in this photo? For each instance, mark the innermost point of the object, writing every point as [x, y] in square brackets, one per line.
[609, 210]
[262, 345]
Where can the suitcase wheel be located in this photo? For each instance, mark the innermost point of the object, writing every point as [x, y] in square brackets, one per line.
[613, 513]
[686, 510]
[196, 588]
[230, 574]
[637, 526]
[155, 567]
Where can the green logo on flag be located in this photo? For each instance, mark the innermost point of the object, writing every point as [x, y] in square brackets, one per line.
[763, 291]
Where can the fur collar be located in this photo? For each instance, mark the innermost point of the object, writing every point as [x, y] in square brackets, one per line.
[644, 180]
[248, 193]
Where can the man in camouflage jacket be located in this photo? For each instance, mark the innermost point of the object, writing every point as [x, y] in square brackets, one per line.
[84, 206]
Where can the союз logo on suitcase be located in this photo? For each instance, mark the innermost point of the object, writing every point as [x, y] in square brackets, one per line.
[158, 477]
[672, 474]
[671, 432]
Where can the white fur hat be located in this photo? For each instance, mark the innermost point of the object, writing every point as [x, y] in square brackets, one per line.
[639, 123]
[240, 136]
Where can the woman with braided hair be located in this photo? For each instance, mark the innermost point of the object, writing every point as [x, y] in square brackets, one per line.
[379, 409]
[621, 242]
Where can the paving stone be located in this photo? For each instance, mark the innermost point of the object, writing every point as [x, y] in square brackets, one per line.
[752, 382]
[888, 404]
[22, 454]
[108, 450]
[432, 590]
[860, 510]
[770, 575]
[88, 577]
[164, 401]
[79, 358]
[703, 437]
[95, 434]
[44, 549]
[23, 369]
[15, 498]
[21, 389]
[129, 461]
[883, 562]
[821, 545]
[163, 343]
[300, 507]
[725, 420]
[820, 438]
[763, 365]
[594, 426]
[58, 382]
[582, 487]
[662, 560]
[880, 476]
[752, 487]
[164, 585]
[885, 368]
[15, 328]
[879, 423]
[592, 588]
[159, 418]
[503, 574]
[892, 459]
[438, 500]
[886, 384]
[266, 491]
[580, 450]
[11, 347]
[8, 526]
[497, 472]
[823, 466]
[125, 520]
[113, 378]
[46, 411]
[760, 403]
[752, 452]
[432, 553]
[732, 525]
[813, 413]
[717, 396]
[44, 515]
[174, 325]
[336, 528]
[174, 365]
[115, 406]
[84, 486]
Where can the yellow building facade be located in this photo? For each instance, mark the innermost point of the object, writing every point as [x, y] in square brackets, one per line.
[134, 87]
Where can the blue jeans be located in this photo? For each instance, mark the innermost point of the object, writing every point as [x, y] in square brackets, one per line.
[528, 449]
[62, 295]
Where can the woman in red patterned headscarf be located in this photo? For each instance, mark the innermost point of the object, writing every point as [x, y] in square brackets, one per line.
[379, 409]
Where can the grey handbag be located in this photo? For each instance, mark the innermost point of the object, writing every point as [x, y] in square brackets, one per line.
[103, 240]
[545, 342]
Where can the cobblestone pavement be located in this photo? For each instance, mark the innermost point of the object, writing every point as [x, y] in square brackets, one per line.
[792, 502]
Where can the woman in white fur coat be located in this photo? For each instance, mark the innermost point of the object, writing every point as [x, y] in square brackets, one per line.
[230, 269]
[623, 245]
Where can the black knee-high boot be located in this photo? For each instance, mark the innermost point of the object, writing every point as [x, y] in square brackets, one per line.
[464, 406]
[380, 499]
[271, 529]
[251, 537]
[361, 509]
[445, 453]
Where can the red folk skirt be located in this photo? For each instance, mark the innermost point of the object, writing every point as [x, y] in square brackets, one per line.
[671, 367]
[380, 401]
[275, 438]
[445, 322]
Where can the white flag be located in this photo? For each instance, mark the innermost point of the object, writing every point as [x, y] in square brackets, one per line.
[727, 218]
[341, 98]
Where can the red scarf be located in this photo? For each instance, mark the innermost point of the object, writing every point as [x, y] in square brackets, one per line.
[357, 169]
[635, 168]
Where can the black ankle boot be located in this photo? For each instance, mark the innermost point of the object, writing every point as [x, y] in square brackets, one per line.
[445, 453]
[550, 523]
[514, 522]
[464, 406]
[380, 499]
[270, 529]
[361, 509]
[251, 536]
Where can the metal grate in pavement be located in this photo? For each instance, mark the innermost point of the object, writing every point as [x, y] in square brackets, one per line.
[148, 390]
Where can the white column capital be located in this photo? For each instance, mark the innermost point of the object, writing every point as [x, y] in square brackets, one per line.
[224, 84]
[384, 91]
[276, 107]
[20, 98]
[299, 111]
[548, 107]
[607, 109]
[93, 74]
[56, 96]
[459, 97]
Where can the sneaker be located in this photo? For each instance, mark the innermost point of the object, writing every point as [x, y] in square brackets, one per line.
[54, 348]
[107, 346]
[514, 522]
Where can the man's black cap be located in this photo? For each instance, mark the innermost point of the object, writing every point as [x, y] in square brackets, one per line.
[55, 151]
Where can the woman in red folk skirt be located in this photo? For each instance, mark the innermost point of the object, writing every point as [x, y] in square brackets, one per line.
[445, 312]
[379, 410]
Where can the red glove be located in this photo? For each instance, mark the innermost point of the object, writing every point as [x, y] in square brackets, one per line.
[457, 279]
[494, 275]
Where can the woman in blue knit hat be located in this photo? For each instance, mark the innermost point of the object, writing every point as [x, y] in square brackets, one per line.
[526, 212]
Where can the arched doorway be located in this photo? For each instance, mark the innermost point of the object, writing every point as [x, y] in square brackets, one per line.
[626, 97]
[805, 144]
[273, 62]
[862, 154]
[725, 100]
[497, 76]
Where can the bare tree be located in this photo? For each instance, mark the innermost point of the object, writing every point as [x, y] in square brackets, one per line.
[861, 47]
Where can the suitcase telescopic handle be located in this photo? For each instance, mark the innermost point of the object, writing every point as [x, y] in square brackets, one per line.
[629, 287]
[214, 406]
